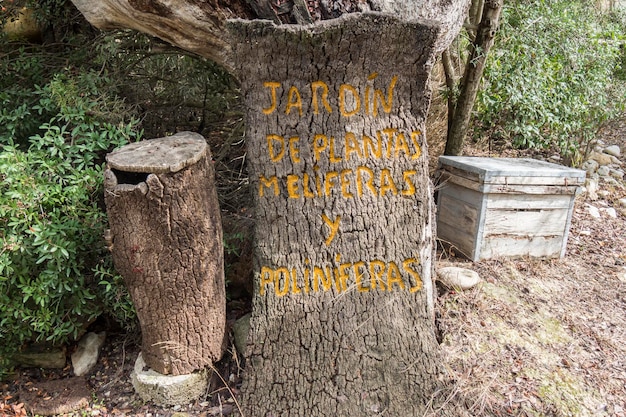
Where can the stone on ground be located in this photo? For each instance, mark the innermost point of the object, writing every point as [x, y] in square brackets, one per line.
[86, 355]
[613, 150]
[593, 211]
[240, 333]
[601, 158]
[53, 358]
[458, 278]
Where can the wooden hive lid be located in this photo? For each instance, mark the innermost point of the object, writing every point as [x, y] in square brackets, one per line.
[511, 171]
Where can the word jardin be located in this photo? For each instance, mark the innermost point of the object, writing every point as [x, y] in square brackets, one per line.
[375, 275]
[350, 101]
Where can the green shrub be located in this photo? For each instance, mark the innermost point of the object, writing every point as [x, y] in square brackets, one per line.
[55, 273]
[549, 81]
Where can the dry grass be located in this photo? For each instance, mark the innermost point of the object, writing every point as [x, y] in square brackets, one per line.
[542, 337]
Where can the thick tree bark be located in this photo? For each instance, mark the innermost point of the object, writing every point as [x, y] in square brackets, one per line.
[167, 244]
[342, 320]
[485, 36]
[199, 26]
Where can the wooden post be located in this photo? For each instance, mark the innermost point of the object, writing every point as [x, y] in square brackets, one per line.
[167, 244]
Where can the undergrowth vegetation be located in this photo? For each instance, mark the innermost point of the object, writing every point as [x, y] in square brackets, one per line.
[54, 275]
[66, 100]
[59, 116]
[555, 74]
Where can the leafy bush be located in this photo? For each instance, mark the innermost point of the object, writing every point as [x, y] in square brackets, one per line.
[549, 81]
[55, 275]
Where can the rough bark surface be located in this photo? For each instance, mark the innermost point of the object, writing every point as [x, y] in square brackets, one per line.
[342, 320]
[167, 244]
[199, 26]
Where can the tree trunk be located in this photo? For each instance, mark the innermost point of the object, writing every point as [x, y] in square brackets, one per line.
[342, 321]
[167, 244]
[198, 26]
[474, 69]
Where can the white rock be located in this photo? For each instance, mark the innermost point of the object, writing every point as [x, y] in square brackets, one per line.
[604, 170]
[590, 166]
[591, 184]
[617, 173]
[458, 278]
[622, 202]
[593, 211]
[167, 390]
[613, 150]
[591, 188]
[86, 355]
[610, 211]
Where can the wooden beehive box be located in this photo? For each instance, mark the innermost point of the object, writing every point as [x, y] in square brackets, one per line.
[492, 207]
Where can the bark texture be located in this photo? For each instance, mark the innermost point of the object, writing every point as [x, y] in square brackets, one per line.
[167, 244]
[342, 320]
[199, 26]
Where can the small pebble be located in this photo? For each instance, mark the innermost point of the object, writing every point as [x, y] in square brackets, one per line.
[617, 173]
[613, 150]
[604, 170]
[610, 212]
[593, 211]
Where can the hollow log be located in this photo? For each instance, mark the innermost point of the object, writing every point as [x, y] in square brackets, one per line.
[167, 244]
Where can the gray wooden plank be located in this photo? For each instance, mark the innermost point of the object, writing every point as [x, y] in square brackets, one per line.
[525, 223]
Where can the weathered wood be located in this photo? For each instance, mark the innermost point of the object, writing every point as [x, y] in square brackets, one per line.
[343, 306]
[505, 207]
[516, 246]
[465, 216]
[527, 201]
[510, 171]
[158, 156]
[524, 222]
[199, 26]
[462, 242]
[167, 244]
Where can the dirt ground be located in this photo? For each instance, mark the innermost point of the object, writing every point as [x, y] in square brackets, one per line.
[535, 338]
